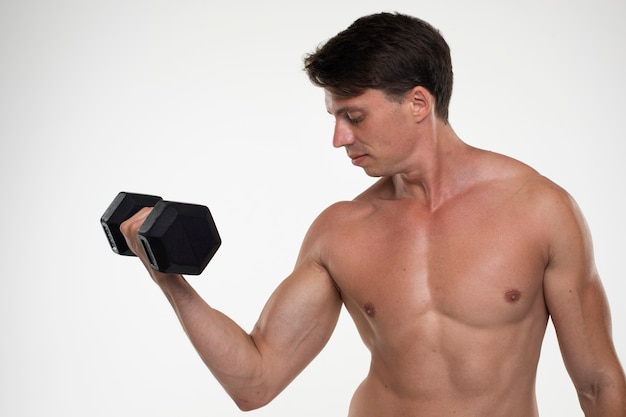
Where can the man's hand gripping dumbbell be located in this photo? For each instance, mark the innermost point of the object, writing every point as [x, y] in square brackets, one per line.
[177, 238]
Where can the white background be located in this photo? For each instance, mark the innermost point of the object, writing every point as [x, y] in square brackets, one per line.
[208, 104]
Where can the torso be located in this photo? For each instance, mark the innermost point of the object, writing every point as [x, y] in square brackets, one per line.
[449, 301]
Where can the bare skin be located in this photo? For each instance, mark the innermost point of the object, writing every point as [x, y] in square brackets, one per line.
[450, 266]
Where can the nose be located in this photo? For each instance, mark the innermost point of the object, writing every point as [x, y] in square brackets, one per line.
[342, 135]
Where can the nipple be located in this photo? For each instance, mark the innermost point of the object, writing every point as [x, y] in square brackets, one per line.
[512, 296]
[370, 309]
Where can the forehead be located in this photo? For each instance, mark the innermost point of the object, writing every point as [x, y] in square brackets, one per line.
[369, 99]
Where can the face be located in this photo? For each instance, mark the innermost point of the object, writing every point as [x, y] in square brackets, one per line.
[378, 134]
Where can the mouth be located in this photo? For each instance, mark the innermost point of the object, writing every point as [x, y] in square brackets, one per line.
[357, 159]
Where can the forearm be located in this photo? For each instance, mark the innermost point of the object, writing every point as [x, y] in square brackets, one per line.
[227, 350]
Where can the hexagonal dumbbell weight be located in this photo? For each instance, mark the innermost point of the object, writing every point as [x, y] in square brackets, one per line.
[179, 237]
[176, 237]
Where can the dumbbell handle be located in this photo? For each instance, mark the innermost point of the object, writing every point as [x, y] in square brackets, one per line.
[123, 207]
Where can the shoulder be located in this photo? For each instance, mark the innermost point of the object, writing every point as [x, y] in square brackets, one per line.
[344, 213]
[553, 209]
[543, 195]
[340, 216]
[339, 224]
[534, 195]
[544, 212]
[525, 180]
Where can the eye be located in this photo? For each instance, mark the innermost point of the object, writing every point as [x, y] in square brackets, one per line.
[354, 119]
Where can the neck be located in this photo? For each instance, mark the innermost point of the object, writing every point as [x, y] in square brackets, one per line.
[438, 170]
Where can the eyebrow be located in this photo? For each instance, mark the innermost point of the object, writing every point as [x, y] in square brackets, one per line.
[345, 109]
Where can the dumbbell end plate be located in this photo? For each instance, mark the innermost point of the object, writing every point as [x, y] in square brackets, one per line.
[179, 238]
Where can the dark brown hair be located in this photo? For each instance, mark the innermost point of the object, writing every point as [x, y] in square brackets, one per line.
[390, 52]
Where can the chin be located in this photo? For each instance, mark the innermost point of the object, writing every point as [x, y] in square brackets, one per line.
[372, 173]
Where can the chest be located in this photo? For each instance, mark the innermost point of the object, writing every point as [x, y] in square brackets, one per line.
[479, 265]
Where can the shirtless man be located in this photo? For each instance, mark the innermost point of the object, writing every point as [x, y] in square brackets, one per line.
[450, 265]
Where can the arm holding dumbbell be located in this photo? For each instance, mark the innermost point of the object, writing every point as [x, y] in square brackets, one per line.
[294, 326]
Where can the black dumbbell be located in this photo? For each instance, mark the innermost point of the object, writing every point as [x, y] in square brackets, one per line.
[177, 237]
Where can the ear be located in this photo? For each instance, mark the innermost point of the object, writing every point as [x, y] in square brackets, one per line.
[422, 103]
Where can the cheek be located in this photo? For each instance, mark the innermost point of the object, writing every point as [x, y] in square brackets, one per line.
[393, 134]
[397, 137]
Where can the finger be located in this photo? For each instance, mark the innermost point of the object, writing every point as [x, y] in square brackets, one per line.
[131, 226]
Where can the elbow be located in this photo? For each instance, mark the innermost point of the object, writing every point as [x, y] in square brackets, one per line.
[245, 404]
[255, 392]
[252, 401]
[607, 392]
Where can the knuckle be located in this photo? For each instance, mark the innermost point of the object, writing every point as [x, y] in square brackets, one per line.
[125, 227]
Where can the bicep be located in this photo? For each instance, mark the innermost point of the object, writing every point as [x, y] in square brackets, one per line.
[576, 300]
[300, 316]
[297, 322]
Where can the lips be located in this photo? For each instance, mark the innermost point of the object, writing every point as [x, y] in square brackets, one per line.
[357, 158]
